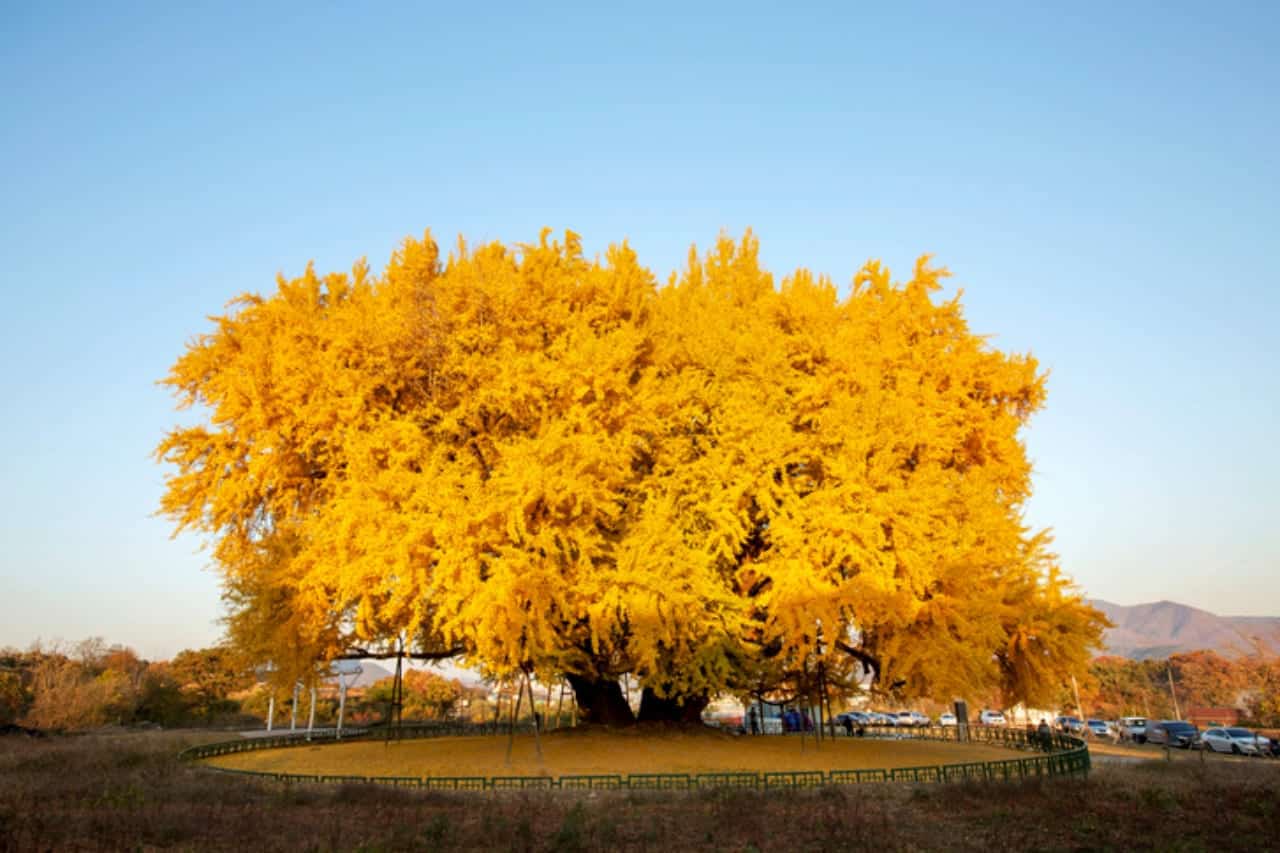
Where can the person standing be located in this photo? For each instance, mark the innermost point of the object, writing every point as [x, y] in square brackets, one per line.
[1044, 735]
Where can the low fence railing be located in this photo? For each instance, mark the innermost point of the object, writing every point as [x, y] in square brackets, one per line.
[1014, 738]
[301, 737]
[1053, 755]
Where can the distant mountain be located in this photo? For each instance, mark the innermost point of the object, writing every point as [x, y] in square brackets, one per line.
[370, 672]
[1160, 629]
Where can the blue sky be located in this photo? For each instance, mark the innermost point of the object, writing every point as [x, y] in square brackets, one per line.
[1102, 181]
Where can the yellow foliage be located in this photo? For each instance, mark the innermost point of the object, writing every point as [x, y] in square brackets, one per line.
[551, 463]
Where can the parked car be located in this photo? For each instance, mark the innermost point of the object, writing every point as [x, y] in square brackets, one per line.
[992, 718]
[1177, 733]
[948, 719]
[1069, 725]
[912, 718]
[1134, 729]
[883, 719]
[853, 720]
[1098, 728]
[1238, 741]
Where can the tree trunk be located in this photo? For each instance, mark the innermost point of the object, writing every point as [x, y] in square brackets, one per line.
[601, 701]
[682, 709]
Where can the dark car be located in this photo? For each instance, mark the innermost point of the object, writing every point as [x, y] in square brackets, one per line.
[1069, 725]
[1177, 733]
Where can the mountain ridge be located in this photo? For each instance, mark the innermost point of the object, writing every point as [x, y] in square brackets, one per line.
[1161, 628]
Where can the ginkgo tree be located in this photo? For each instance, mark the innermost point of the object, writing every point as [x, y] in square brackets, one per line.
[553, 465]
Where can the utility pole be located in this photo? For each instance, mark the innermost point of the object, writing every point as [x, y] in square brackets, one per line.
[1172, 695]
[1079, 710]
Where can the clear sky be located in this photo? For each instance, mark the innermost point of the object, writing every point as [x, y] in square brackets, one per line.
[1102, 180]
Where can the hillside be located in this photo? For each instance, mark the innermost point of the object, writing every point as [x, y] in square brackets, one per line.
[1165, 627]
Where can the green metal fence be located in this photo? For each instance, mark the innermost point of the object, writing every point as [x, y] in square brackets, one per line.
[1055, 755]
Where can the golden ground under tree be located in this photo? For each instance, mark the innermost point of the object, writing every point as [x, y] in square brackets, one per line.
[599, 752]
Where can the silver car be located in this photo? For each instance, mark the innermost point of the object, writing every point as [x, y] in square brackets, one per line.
[1236, 741]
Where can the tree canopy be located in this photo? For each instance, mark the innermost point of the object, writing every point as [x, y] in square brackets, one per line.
[553, 464]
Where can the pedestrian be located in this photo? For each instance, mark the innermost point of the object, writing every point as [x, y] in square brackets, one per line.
[754, 714]
[1045, 736]
[848, 724]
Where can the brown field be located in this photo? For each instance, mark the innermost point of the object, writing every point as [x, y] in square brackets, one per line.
[128, 791]
[589, 752]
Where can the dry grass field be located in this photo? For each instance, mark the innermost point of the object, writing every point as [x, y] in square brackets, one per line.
[128, 791]
[578, 751]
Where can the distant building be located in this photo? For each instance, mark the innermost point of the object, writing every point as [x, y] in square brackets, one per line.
[1214, 716]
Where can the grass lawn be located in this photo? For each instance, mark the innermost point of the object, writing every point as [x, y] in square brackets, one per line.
[128, 791]
[586, 752]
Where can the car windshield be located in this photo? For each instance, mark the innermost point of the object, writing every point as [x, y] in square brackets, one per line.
[1238, 732]
[1179, 727]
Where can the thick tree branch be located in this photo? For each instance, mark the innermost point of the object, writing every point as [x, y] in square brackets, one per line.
[868, 660]
[358, 653]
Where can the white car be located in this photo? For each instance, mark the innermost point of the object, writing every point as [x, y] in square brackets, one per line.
[911, 718]
[1238, 741]
[992, 718]
[948, 719]
[1133, 728]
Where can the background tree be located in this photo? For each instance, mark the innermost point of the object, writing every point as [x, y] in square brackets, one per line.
[1262, 698]
[160, 699]
[427, 695]
[1206, 679]
[207, 677]
[68, 694]
[13, 698]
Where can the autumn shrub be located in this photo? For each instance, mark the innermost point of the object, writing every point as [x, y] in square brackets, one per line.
[67, 695]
